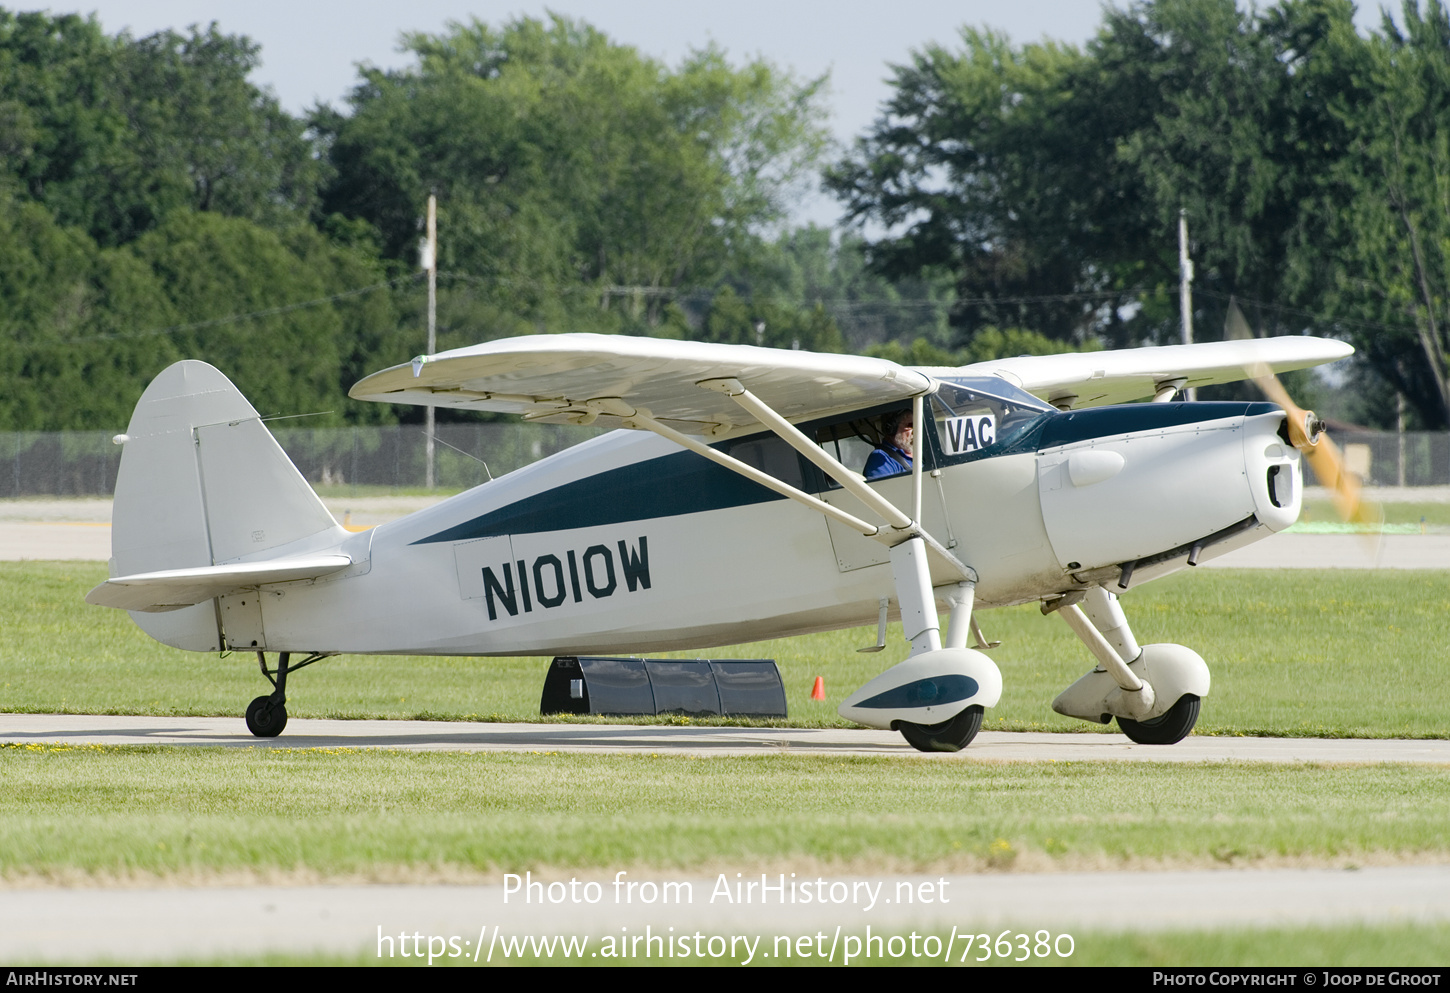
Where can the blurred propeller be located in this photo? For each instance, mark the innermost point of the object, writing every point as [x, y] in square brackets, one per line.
[1306, 433]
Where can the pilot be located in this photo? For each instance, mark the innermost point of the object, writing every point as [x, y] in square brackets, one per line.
[893, 455]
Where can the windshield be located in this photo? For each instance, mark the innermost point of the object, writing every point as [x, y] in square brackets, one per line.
[977, 417]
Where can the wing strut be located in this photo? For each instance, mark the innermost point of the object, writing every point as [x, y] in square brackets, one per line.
[852, 482]
[901, 527]
[640, 419]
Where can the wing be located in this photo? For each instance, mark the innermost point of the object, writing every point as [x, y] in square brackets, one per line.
[1092, 379]
[578, 379]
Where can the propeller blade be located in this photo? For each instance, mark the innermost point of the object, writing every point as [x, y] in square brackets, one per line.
[1306, 432]
[1236, 328]
[1343, 485]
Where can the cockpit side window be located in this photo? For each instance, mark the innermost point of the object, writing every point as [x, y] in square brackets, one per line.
[853, 442]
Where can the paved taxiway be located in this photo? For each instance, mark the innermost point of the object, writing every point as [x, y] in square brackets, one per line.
[463, 736]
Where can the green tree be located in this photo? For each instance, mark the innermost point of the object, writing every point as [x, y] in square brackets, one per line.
[68, 308]
[113, 134]
[813, 267]
[733, 320]
[1383, 262]
[989, 343]
[246, 300]
[84, 328]
[998, 164]
[580, 184]
[1312, 163]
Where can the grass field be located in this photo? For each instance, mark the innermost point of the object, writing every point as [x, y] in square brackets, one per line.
[164, 816]
[1352, 946]
[166, 813]
[1292, 653]
[1344, 653]
[1434, 515]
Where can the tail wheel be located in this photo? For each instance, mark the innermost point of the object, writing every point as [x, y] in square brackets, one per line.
[1168, 729]
[948, 736]
[266, 719]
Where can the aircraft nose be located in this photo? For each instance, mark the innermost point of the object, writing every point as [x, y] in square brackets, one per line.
[1144, 482]
[1274, 470]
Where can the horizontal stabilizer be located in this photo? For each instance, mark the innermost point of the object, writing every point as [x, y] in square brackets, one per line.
[171, 589]
[1092, 379]
[593, 378]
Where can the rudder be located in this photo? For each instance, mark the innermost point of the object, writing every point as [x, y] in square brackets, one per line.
[203, 482]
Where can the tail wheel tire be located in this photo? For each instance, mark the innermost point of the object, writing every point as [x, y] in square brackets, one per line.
[1168, 729]
[948, 736]
[266, 719]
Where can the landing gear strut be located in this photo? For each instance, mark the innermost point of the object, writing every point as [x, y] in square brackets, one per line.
[1153, 690]
[935, 698]
[267, 715]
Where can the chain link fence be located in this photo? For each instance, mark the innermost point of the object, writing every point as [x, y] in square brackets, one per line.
[1382, 458]
[340, 461]
[356, 461]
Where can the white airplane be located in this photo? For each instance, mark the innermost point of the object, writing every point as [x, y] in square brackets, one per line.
[731, 508]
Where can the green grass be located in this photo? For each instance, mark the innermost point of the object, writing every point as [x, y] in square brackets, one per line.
[1435, 515]
[1298, 653]
[1349, 946]
[353, 491]
[1405, 946]
[137, 812]
[1333, 653]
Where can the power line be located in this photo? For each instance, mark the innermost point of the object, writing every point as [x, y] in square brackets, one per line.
[1311, 315]
[840, 303]
[235, 318]
[843, 306]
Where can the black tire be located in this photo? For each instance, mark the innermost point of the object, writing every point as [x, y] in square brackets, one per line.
[1168, 729]
[265, 719]
[948, 736]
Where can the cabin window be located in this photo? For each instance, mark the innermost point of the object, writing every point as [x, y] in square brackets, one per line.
[771, 455]
[852, 441]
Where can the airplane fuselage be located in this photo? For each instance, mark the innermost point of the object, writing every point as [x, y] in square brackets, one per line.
[627, 543]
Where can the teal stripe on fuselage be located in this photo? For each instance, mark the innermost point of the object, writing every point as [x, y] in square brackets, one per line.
[668, 486]
[684, 483]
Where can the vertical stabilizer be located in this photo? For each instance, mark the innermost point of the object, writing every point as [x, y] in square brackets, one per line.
[203, 482]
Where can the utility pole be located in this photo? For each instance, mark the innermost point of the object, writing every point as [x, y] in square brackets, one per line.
[1400, 437]
[430, 263]
[1185, 286]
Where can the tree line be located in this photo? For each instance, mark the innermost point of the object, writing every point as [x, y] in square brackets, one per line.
[156, 204]
[1309, 159]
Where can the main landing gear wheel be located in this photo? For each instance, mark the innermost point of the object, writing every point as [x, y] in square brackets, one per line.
[266, 719]
[1168, 729]
[948, 736]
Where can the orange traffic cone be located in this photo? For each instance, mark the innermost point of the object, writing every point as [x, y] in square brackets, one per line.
[818, 691]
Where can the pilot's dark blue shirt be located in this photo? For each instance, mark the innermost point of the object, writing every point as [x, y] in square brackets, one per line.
[886, 461]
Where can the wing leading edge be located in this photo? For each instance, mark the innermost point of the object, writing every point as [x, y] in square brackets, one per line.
[571, 379]
[1094, 379]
